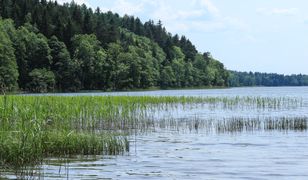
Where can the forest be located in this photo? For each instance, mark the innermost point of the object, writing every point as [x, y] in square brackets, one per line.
[51, 47]
[237, 79]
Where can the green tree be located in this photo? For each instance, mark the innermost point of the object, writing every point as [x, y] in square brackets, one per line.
[135, 67]
[122, 79]
[217, 74]
[91, 58]
[8, 66]
[64, 68]
[99, 74]
[204, 75]
[167, 77]
[265, 79]
[32, 52]
[88, 23]
[190, 73]
[118, 69]
[5, 8]
[41, 81]
[178, 66]
[124, 52]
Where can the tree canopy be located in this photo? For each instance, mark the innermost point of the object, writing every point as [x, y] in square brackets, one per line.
[8, 66]
[266, 79]
[46, 47]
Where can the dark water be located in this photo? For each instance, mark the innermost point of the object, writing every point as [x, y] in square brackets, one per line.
[179, 153]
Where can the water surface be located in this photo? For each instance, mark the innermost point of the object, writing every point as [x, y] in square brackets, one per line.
[183, 153]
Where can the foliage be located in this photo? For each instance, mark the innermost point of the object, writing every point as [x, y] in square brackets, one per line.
[64, 68]
[8, 66]
[90, 57]
[32, 52]
[266, 79]
[41, 80]
[91, 50]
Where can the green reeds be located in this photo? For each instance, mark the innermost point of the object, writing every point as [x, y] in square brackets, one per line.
[97, 114]
[36, 127]
[234, 124]
[240, 124]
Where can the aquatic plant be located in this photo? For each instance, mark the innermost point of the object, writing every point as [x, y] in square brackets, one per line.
[233, 124]
[36, 127]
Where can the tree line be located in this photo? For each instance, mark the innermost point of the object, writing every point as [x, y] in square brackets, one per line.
[237, 79]
[45, 47]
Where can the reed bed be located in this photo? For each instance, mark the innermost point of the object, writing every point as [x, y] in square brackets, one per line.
[111, 112]
[241, 124]
[36, 127]
[231, 124]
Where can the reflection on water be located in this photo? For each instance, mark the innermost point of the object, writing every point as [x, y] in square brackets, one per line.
[183, 153]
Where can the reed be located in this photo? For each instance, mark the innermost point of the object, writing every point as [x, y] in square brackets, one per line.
[36, 127]
[233, 124]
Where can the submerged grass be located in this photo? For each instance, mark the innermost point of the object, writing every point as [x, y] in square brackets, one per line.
[36, 127]
[233, 124]
[240, 124]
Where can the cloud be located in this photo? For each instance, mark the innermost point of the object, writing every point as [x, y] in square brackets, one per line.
[219, 24]
[196, 16]
[212, 9]
[167, 14]
[178, 16]
[125, 7]
[278, 11]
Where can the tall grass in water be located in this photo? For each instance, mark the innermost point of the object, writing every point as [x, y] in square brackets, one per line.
[33, 128]
[240, 124]
[235, 124]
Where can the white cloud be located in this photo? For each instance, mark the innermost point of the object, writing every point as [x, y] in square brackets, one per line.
[278, 11]
[190, 14]
[218, 24]
[125, 7]
[178, 16]
[167, 14]
[196, 15]
[208, 26]
[212, 9]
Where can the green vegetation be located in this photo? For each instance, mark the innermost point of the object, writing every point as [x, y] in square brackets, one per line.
[47, 47]
[36, 127]
[240, 124]
[32, 128]
[236, 124]
[8, 66]
[237, 79]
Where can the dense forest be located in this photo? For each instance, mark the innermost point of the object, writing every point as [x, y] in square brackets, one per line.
[237, 79]
[45, 46]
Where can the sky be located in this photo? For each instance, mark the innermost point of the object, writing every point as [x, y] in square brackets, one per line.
[245, 35]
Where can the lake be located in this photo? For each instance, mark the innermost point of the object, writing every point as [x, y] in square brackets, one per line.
[179, 150]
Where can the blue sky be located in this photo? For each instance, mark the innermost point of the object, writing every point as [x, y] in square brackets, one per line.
[246, 35]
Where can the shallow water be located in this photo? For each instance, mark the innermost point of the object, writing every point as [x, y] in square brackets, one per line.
[166, 155]
[180, 153]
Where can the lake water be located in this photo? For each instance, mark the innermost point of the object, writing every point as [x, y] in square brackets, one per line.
[182, 153]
